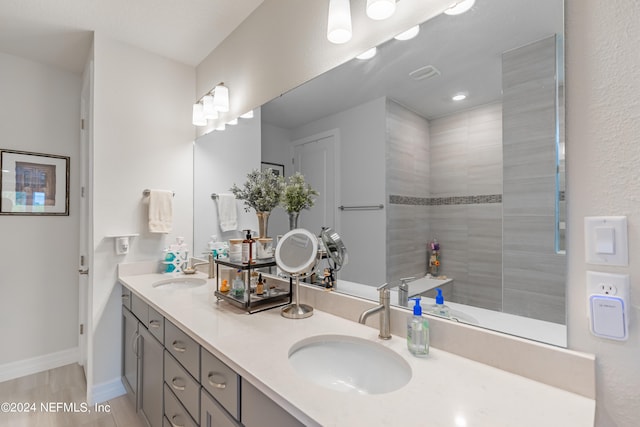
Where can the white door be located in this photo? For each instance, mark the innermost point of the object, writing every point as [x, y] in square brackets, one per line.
[315, 158]
[85, 217]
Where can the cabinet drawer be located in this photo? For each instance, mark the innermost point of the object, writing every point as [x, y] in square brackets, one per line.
[156, 325]
[175, 412]
[212, 413]
[140, 309]
[126, 297]
[182, 347]
[186, 389]
[222, 382]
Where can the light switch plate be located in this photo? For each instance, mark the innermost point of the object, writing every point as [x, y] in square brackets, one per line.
[606, 240]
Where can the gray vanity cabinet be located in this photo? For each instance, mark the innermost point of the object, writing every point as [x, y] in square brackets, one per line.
[150, 374]
[129, 351]
[142, 361]
[258, 410]
[212, 414]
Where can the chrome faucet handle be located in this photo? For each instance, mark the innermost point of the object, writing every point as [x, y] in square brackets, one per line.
[404, 280]
[385, 286]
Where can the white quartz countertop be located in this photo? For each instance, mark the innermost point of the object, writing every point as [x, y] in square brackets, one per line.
[444, 390]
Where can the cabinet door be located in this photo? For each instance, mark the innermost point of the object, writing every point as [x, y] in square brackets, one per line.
[258, 410]
[130, 352]
[151, 353]
[212, 414]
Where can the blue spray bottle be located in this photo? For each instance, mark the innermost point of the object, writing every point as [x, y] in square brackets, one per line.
[417, 331]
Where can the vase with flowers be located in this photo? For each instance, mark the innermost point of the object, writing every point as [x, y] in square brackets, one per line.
[297, 195]
[262, 192]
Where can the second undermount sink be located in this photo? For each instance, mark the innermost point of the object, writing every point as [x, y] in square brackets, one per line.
[349, 364]
[179, 283]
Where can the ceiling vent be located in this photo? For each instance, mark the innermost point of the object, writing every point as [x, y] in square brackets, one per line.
[425, 72]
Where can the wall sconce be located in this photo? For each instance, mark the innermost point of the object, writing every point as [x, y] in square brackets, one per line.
[339, 21]
[209, 106]
[380, 9]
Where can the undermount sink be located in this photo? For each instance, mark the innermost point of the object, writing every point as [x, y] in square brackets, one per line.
[179, 283]
[349, 364]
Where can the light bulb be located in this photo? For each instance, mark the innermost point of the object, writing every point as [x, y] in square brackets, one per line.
[221, 98]
[339, 21]
[460, 7]
[198, 116]
[409, 34]
[368, 54]
[380, 9]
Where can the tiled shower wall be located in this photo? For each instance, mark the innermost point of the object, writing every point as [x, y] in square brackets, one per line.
[458, 195]
[534, 273]
[466, 160]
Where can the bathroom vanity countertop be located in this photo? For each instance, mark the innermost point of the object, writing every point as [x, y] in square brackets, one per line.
[445, 389]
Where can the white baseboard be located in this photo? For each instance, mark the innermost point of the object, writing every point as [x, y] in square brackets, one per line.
[21, 368]
[106, 391]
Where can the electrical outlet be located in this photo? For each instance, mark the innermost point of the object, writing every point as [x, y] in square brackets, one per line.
[607, 289]
[607, 284]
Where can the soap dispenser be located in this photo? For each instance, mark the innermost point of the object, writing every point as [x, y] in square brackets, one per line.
[439, 308]
[417, 331]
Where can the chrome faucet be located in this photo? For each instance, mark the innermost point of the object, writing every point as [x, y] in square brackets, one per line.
[209, 262]
[403, 291]
[385, 312]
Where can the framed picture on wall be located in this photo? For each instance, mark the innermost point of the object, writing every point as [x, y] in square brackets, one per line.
[33, 183]
[276, 168]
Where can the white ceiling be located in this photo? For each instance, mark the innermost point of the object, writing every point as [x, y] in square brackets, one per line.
[466, 49]
[59, 32]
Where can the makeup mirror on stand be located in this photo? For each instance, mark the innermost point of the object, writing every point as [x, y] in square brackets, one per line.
[296, 255]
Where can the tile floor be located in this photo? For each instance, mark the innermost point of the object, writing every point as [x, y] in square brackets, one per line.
[53, 388]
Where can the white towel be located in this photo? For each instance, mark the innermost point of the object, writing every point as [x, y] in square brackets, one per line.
[160, 211]
[227, 212]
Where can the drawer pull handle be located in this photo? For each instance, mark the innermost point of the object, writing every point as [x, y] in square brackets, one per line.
[179, 348]
[154, 324]
[175, 383]
[220, 385]
[173, 421]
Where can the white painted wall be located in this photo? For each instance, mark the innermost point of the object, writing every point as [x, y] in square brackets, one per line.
[39, 112]
[603, 124]
[362, 131]
[222, 159]
[142, 139]
[276, 148]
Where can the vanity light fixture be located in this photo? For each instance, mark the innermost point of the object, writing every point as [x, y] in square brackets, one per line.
[368, 54]
[233, 122]
[460, 7]
[409, 34]
[209, 110]
[247, 115]
[221, 98]
[380, 9]
[459, 97]
[339, 21]
[221, 126]
[198, 115]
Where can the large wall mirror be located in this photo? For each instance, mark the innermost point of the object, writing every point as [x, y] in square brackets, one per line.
[398, 162]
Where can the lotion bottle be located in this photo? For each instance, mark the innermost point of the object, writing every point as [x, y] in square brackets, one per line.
[418, 331]
[247, 248]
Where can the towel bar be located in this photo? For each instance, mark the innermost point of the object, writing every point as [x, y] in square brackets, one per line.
[361, 208]
[147, 192]
[214, 196]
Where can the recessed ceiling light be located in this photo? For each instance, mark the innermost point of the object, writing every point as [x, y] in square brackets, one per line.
[368, 54]
[409, 34]
[460, 7]
[459, 97]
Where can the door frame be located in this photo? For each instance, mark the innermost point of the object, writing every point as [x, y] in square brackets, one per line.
[335, 133]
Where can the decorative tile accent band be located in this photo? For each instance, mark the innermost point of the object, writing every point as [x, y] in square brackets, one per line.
[439, 201]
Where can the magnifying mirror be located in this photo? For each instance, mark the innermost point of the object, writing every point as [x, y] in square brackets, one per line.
[296, 255]
[336, 252]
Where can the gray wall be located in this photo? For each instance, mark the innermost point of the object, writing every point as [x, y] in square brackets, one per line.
[534, 274]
